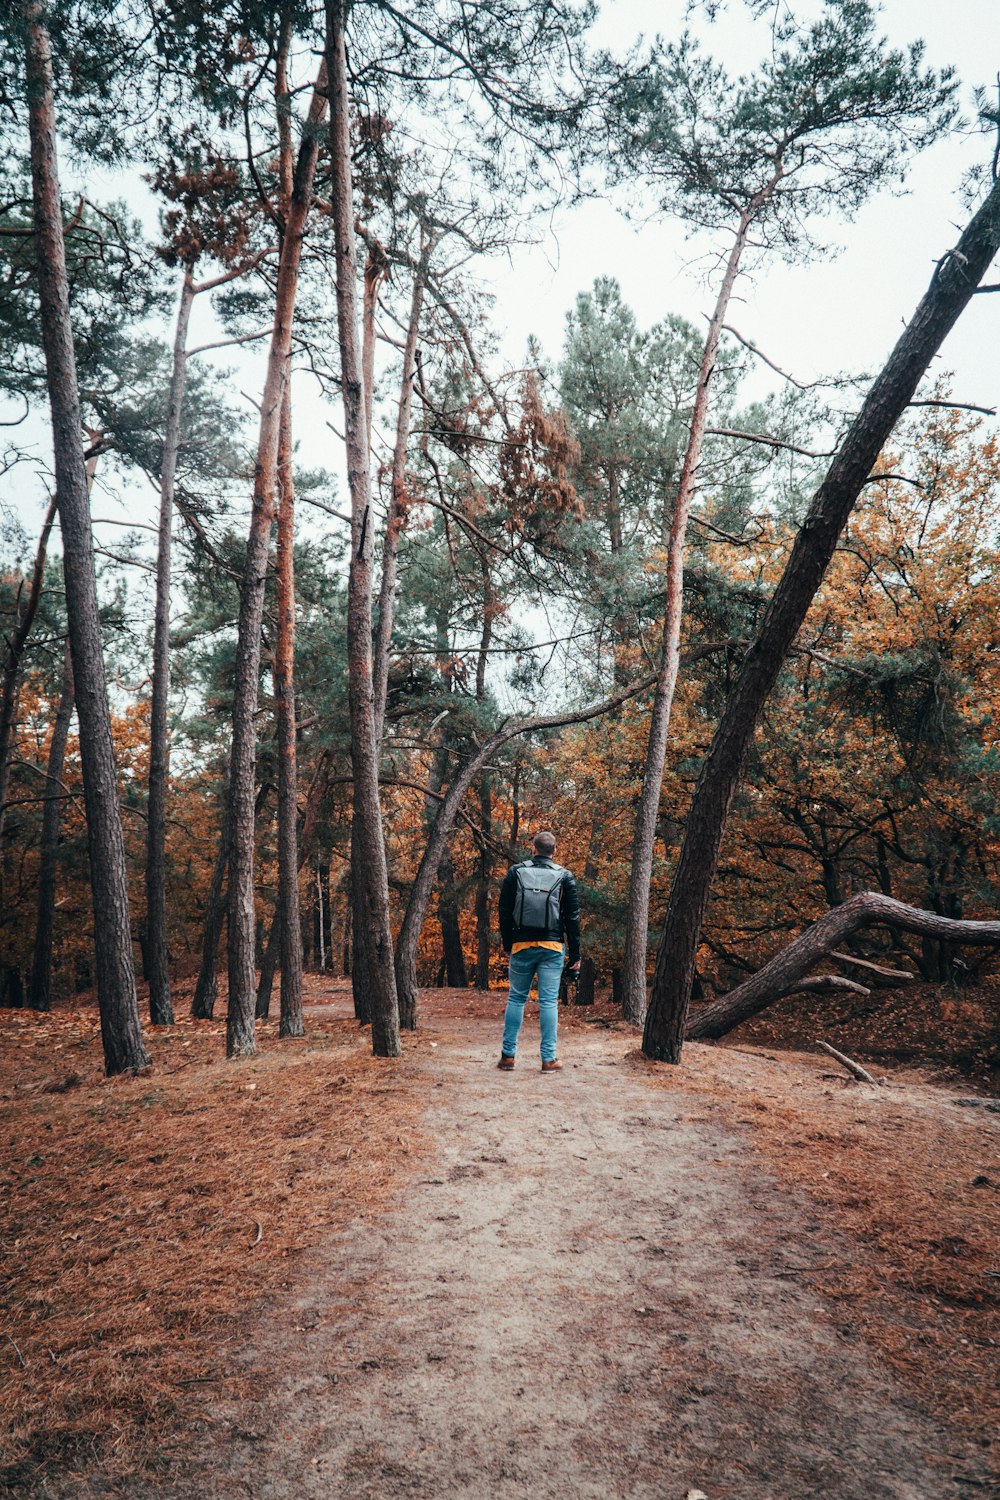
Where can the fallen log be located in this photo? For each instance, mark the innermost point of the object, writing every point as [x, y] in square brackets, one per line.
[860, 1073]
[785, 972]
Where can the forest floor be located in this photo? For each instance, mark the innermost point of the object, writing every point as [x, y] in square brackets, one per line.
[318, 1274]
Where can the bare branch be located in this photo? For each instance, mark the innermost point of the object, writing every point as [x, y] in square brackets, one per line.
[799, 385]
[243, 338]
[769, 442]
[987, 411]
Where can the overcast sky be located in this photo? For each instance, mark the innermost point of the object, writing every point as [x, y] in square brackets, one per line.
[841, 313]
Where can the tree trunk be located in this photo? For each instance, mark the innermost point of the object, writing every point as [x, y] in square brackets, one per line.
[284, 692]
[302, 850]
[242, 970]
[369, 870]
[321, 917]
[637, 918]
[453, 958]
[345, 957]
[952, 285]
[161, 1011]
[15, 644]
[515, 814]
[272, 953]
[40, 986]
[398, 503]
[787, 970]
[376, 271]
[121, 1031]
[451, 934]
[206, 989]
[483, 887]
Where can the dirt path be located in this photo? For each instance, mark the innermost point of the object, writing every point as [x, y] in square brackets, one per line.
[585, 1294]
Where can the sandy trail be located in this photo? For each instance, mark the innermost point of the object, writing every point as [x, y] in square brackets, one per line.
[587, 1293]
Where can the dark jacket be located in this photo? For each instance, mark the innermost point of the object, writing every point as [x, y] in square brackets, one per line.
[569, 913]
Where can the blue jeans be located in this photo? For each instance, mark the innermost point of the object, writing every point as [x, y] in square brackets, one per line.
[548, 965]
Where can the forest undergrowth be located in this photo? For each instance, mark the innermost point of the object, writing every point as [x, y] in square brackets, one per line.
[912, 1181]
[143, 1218]
[146, 1219]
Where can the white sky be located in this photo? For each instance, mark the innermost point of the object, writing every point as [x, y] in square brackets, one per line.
[842, 313]
[839, 313]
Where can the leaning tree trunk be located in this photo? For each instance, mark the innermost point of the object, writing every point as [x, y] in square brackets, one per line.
[40, 985]
[370, 877]
[637, 918]
[787, 970]
[121, 1031]
[161, 1010]
[952, 285]
[240, 1038]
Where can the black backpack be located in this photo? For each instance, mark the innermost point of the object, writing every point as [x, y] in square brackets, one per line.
[537, 898]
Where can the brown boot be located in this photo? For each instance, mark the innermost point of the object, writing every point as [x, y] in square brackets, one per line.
[506, 1064]
[551, 1067]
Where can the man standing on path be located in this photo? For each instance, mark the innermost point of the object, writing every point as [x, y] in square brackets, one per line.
[539, 907]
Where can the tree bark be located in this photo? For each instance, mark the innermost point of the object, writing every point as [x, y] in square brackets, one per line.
[345, 955]
[284, 691]
[323, 915]
[360, 987]
[398, 502]
[369, 870]
[637, 917]
[206, 989]
[40, 985]
[952, 285]
[15, 644]
[304, 842]
[121, 1030]
[483, 887]
[161, 1010]
[240, 1039]
[272, 953]
[376, 269]
[787, 970]
[451, 933]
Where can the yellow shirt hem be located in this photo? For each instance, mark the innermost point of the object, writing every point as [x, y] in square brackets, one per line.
[553, 947]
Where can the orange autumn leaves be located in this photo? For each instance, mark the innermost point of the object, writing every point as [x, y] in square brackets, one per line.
[876, 765]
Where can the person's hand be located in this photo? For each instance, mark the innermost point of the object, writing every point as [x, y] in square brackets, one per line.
[575, 968]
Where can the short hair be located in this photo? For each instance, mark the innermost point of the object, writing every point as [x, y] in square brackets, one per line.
[544, 843]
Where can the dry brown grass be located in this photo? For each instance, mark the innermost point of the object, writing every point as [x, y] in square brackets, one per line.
[912, 1183]
[129, 1211]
